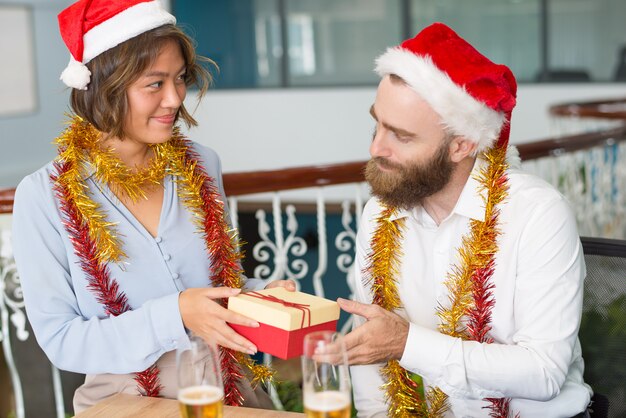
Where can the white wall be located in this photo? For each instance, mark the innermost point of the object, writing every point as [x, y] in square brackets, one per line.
[264, 129]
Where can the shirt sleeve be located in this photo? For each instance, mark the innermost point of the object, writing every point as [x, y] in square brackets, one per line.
[547, 311]
[367, 382]
[127, 343]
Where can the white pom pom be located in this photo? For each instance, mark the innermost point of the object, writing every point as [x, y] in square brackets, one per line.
[76, 75]
[512, 157]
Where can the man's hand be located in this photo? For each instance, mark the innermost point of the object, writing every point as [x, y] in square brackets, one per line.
[287, 284]
[206, 317]
[381, 338]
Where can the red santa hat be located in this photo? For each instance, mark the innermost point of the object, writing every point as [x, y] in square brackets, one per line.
[473, 96]
[90, 27]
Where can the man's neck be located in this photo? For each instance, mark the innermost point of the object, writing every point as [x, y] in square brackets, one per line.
[440, 205]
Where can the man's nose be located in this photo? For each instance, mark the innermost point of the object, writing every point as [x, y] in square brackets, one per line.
[379, 146]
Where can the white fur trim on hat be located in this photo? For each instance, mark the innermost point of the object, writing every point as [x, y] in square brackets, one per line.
[123, 26]
[459, 111]
[513, 158]
[76, 75]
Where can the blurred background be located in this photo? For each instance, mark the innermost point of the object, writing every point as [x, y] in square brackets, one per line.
[296, 76]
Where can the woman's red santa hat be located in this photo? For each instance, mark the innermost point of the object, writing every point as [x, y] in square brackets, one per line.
[473, 96]
[90, 27]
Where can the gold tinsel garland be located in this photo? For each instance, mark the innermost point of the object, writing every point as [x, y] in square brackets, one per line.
[79, 144]
[477, 249]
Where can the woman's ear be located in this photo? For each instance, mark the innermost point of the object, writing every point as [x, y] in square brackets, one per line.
[461, 148]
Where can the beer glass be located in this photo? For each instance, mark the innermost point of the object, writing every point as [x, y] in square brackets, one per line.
[200, 388]
[326, 380]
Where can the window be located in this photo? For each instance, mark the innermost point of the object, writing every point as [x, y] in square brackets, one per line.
[17, 73]
[506, 31]
[586, 39]
[335, 42]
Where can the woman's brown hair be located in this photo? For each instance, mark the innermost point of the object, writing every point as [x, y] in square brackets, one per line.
[104, 102]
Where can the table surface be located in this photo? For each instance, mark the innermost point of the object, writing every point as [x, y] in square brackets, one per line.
[127, 406]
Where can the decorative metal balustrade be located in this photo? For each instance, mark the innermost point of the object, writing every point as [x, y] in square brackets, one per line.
[593, 178]
[588, 167]
[11, 312]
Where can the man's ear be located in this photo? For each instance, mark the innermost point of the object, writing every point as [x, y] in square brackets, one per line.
[461, 148]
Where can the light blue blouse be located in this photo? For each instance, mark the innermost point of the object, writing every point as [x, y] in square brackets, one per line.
[69, 324]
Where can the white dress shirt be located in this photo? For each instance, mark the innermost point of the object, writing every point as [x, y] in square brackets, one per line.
[536, 356]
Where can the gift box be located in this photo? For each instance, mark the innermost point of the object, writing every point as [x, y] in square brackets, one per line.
[285, 318]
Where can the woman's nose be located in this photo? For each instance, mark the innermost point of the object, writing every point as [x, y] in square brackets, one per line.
[173, 96]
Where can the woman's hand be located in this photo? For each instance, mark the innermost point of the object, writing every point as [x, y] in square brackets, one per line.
[207, 318]
[287, 284]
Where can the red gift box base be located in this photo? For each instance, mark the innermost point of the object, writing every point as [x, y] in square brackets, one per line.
[279, 342]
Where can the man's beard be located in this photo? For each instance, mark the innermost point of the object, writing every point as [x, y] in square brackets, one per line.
[406, 186]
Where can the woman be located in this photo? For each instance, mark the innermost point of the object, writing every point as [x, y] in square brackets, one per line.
[122, 242]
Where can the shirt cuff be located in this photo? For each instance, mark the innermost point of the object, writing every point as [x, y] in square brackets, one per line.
[428, 352]
[167, 322]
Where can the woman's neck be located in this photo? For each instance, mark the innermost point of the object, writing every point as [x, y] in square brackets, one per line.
[132, 153]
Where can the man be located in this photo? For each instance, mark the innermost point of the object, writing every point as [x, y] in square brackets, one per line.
[469, 271]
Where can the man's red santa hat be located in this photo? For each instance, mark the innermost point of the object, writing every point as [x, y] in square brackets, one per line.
[90, 27]
[473, 95]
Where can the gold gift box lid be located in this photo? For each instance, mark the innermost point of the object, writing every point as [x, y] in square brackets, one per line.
[315, 308]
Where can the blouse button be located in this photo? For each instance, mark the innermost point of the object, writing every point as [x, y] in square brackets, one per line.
[175, 276]
[167, 257]
[158, 240]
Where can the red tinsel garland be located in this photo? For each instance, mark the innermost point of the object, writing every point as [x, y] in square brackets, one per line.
[101, 284]
[479, 315]
[225, 269]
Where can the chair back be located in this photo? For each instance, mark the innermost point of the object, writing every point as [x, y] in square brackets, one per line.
[603, 326]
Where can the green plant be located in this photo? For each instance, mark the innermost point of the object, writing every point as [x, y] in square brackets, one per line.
[290, 395]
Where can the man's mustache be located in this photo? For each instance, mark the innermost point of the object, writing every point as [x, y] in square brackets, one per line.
[385, 163]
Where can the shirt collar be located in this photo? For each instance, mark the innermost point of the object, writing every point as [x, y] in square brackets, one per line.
[470, 203]
[89, 170]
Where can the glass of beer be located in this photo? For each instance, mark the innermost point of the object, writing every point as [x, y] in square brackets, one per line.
[326, 380]
[200, 388]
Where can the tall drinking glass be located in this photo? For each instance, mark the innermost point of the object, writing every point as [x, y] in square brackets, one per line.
[326, 380]
[200, 388]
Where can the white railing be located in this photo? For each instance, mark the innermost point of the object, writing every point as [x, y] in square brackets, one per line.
[281, 251]
[594, 182]
[592, 179]
[13, 321]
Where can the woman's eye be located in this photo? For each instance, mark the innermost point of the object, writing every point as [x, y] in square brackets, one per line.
[156, 84]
